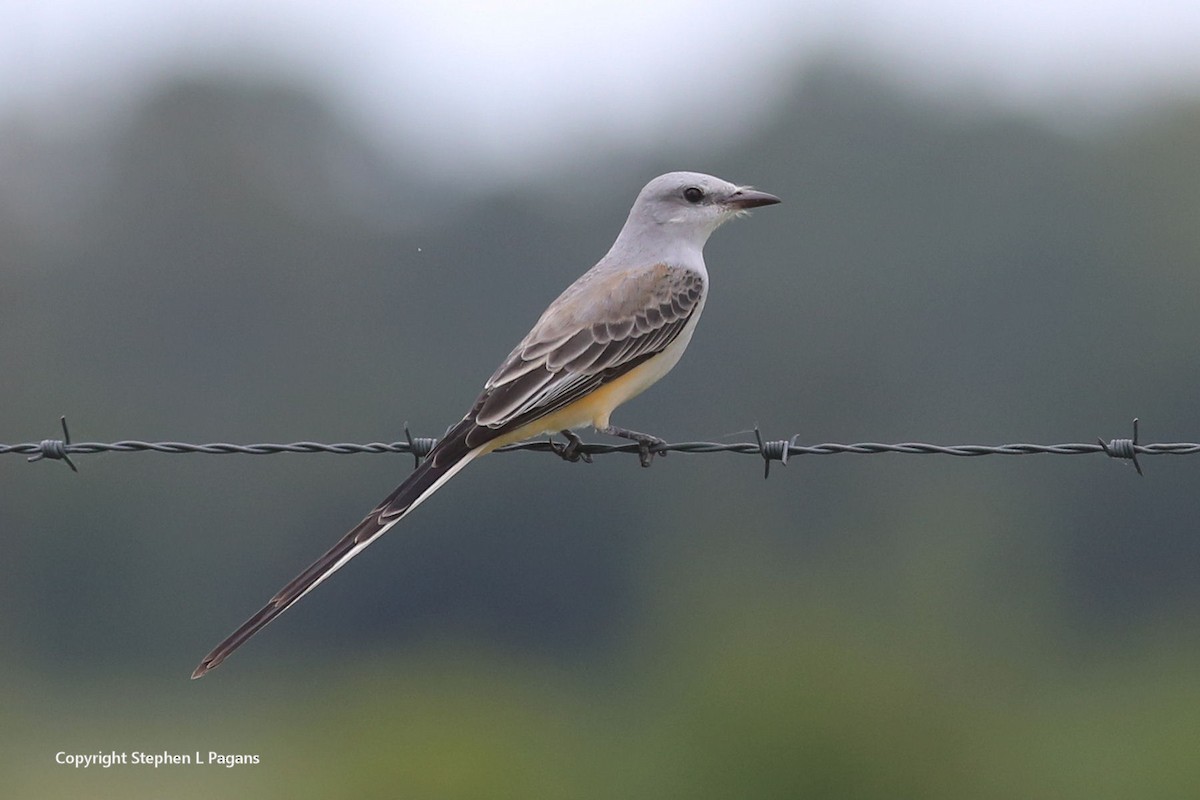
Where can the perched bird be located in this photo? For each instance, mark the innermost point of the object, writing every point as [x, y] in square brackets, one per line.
[615, 331]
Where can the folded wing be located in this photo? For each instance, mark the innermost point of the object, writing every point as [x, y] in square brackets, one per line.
[606, 324]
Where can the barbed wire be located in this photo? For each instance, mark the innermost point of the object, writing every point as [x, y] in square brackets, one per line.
[769, 450]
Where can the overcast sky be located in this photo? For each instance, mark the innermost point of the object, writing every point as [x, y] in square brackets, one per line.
[490, 80]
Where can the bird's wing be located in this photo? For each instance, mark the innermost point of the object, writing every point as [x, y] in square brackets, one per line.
[604, 325]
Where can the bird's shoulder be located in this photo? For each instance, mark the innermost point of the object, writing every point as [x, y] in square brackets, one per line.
[607, 294]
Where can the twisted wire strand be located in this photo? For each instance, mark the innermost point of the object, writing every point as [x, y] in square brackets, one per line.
[773, 450]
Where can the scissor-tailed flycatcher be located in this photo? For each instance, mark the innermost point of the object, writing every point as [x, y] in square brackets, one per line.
[608, 337]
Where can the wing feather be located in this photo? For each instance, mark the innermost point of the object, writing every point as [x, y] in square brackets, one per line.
[584, 361]
[568, 350]
[569, 353]
[533, 350]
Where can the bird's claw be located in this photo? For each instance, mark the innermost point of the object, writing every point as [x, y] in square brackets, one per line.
[570, 451]
[649, 447]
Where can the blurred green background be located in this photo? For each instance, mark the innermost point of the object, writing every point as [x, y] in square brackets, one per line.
[234, 261]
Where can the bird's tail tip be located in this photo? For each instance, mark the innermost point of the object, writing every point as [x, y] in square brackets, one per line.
[203, 667]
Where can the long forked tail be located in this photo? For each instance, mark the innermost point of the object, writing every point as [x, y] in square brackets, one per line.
[450, 455]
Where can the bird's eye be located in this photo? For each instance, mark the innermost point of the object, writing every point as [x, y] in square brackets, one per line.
[693, 194]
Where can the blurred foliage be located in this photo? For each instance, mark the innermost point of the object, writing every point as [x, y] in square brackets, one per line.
[234, 263]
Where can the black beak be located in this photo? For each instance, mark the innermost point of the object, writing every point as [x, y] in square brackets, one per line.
[751, 198]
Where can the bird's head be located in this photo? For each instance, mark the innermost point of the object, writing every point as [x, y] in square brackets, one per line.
[692, 205]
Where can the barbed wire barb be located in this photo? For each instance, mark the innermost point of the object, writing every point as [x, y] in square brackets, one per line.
[578, 450]
[419, 447]
[56, 448]
[773, 451]
[1124, 448]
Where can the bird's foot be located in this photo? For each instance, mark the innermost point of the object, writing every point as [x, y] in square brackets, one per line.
[648, 446]
[570, 451]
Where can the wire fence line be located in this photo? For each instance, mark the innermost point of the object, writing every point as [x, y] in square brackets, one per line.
[768, 450]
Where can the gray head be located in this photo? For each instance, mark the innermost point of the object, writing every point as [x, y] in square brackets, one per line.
[684, 208]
